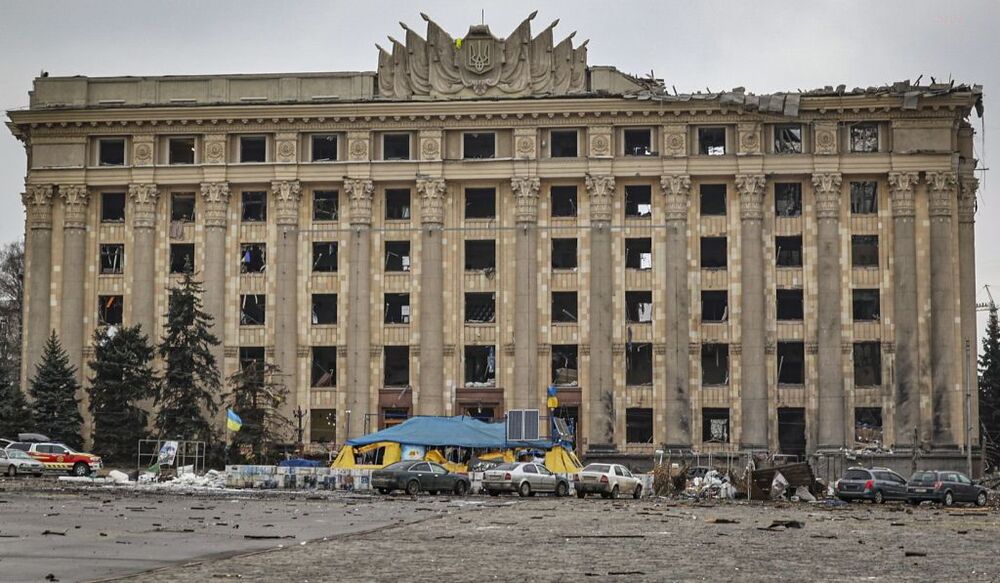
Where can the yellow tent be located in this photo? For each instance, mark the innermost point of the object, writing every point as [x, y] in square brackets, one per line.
[390, 454]
[562, 461]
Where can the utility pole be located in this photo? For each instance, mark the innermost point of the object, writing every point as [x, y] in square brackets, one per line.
[968, 411]
[913, 460]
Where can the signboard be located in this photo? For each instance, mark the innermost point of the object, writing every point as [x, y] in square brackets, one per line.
[168, 451]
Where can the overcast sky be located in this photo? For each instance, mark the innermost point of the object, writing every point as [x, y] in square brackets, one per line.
[763, 45]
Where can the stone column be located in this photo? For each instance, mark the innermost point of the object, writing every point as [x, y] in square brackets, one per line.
[601, 420]
[753, 372]
[677, 405]
[285, 267]
[830, 370]
[433, 393]
[38, 274]
[525, 390]
[967, 280]
[75, 198]
[943, 370]
[143, 197]
[904, 246]
[215, 206]
[359, 300]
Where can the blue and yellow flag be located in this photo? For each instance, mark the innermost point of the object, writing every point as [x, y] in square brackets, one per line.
[233, 421]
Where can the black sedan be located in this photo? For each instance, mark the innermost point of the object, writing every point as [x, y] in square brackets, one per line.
[418, 476]
[944, 487]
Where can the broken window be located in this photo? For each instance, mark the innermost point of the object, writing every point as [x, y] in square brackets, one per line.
[638, 142]
[714, 306]
[251, 356]
[789, 304]
[788, 251]
[253, 149]
[397, 255]
[712, 141]
[639, 253]
[182, 258]
[867, 364]
[182, 205]
[396, 147]
[864, 197]
[480, 203]
[864, 250]
[564, 202]
[639, 363]
[324, 257]
[866, 305]
[397, 204]
[714, 364]
[322, 425]
[565, 370]
[564, 254]
[392, 416]
[792, 431]
[397, 366]
[713, 200]
[253, 257]
[715, 425]
[110, 310]
[564, 308]
[252, 309]
[112, 207]
[324, 148]
[111, 152]
[788, 199]
[638, 200]
[326, 205]
[713, 252]
[324, 366]
[868, 425]
[481, 255]
[480, 366]
[791, 363]
[397, 308]
[180, 151]
[788, 139]
[864, 137]
[254, 206]
[324, 309]
[563, 143]
[478, 145]
[480, 307]
[639, 306]
[112, 258]
[638, 425]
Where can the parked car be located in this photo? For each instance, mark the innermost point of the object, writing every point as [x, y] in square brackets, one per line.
[945, 487]
[415, 476]
[608, 480]
[59, 456]
[15, 461]
[526, 479]
[875, 484]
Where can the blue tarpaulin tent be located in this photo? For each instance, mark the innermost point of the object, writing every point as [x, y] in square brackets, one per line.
[445, 431]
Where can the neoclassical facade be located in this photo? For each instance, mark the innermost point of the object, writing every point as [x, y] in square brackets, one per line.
[483, 218]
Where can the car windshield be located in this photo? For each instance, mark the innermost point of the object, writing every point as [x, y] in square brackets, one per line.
[399, 466]
[16, 454]
[598, 468]
[506, 467]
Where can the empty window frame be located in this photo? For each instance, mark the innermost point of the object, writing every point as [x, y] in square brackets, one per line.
[392, 416]
[480, 366]
[397, 204]
[864, 250]
[396, 146]
[480, 307]
[864, 197]
[715, 425]
[180, 151]
[788, 139]
[112, 207]
[868, 425]
[181, 258]
[253, 149]
[323, 148]
[480, 203]
[112, 258]
[182, 207]
[788, 251]
[867, 364]
[324, 256]
[479, 145]
[565, 367]
[714, 364]
[563, 143]
[639, 306]
[396, 366]
[638, 363]
[326, 205]
[638, 425]
[712, 141]
[639, 253]
[791, 363]
[110, 310]
[251, 356]
[788, 199]
[564, 201]
[564, 307]
[865, 305]
[481, 255]
[252, 309]
[789, 304]
[324, 367]
[713, 253]
[864, 137]
[324, 309]
[397, 308]
[564, 254]
[111, 152]
[713, 200]
[254, 206]
[638, 142]
[253, 257]
[638, 200]
[322, 425]
[714, 305]
[397, 256]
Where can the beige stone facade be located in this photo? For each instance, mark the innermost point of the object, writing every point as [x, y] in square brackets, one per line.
[371, 162]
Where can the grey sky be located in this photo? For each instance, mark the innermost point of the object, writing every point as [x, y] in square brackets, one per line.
[762, 45]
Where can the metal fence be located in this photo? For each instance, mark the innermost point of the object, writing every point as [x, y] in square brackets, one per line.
[189, 453]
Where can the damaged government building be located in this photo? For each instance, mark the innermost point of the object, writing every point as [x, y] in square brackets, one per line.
[484, 217]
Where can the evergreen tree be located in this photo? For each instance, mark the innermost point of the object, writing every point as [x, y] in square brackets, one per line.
[188, 394]
[123, 376]
[257, 397]
[15, 415]
[989, 390]
[56, 410]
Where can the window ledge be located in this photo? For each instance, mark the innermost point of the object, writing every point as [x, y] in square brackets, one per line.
[716, 386]
[326, 389]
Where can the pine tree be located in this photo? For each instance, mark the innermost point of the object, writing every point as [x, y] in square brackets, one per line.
[989, 390]
[123, 376]
[188, 394]
[15, 415]
[257, 397]
[56, 410]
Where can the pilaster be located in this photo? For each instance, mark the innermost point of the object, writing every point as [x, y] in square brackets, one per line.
[601, 419]
[433, 399]
[675, 329]
[905, 311]
[944, 397]
[524, 393]
[753, 371]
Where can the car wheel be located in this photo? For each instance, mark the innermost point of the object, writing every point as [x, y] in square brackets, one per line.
[11, 471]
[383, 491]
[524, 489]
[879, 498]
[80, 469]
[581, 494]
[614, 493]
[413, 487]
[461, 488]
[562, 489]
[981, 499]
[948, 499]
[493, 492]
[638, 492]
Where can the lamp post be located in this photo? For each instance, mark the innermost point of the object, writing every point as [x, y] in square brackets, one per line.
[299, 415]
[347, 431]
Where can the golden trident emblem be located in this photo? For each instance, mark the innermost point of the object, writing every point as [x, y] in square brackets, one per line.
[479, 55]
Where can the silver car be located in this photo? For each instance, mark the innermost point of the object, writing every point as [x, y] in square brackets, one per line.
[608, 480]
[15, 461]
[525, 478]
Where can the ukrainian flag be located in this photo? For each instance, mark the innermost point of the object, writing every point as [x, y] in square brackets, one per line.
[233, 421]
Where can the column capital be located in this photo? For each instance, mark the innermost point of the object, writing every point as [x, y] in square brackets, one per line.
[526, 198]
[967, 201]
[826, 186]
[37, 199]
[75, 199]
[143, 197]
[901, 186]
[601, 190]
[942, 191]
[216, 198]
[286, 197]
[359, 193]
[751, 190]
[432, 192]
[677, 192]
